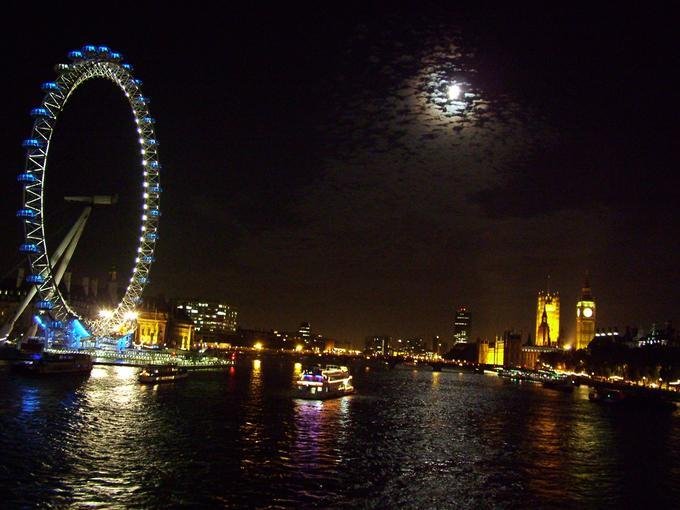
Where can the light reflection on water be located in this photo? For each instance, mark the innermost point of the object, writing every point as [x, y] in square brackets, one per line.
[435, 379]
[29, 400]
[407, 439]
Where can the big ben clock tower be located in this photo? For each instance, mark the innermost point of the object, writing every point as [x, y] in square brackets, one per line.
[585, 317]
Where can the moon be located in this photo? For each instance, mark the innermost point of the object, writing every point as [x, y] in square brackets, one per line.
[453, 91]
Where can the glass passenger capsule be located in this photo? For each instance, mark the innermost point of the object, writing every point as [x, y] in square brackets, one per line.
[40, 112]
[35, 278]
[29, 248]
[26, 213]
[50, 86]
[31, 143]
[27, 178]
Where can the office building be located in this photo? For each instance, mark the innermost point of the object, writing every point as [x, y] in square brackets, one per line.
[461, 325]
[211, 319]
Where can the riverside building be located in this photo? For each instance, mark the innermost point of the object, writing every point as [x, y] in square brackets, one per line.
[212, 320]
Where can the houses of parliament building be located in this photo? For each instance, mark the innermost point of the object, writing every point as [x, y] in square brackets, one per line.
[548, 319]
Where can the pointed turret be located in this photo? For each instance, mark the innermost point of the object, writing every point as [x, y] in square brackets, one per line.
[544, 330]
[548, 312]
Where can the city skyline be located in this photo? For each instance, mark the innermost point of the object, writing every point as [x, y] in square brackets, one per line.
[313, 174]
[567, 338]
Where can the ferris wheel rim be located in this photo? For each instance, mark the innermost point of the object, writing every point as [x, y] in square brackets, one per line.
[91, 62]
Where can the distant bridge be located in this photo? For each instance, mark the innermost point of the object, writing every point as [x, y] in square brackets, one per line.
[389, 362]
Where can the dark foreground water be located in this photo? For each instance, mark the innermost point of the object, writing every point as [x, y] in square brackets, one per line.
[408, 439]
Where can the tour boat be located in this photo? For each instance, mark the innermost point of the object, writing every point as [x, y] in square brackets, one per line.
[162, 373]
[47, 363]
[320, 383]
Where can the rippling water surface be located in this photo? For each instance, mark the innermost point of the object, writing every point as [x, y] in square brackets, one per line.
[407, 439]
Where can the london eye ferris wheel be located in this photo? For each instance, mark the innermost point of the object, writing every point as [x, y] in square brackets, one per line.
[55, 314]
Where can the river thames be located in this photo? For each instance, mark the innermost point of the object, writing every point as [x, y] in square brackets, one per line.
[408, 439]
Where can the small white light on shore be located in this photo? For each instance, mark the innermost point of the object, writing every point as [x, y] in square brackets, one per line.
[130, 316]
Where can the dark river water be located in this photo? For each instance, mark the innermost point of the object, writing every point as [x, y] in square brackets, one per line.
[407, 439]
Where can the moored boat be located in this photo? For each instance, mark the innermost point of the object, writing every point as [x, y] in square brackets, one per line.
[561, 384]
[408, 365]
[548, 378]
[606, 395]
[634, 398]
[437, 366]
[153, 374]
[48, 363]
[320, 383]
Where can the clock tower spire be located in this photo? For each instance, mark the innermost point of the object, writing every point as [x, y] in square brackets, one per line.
[585, 316]
[585, 290]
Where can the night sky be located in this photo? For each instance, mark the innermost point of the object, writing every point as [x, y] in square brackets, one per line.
[313, 171]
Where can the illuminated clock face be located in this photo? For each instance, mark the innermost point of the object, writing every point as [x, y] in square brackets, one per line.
[587, 312]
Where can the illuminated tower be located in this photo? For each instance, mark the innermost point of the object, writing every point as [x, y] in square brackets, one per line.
[305, 331]
[585, 317]
[461, 325]
[548, 303]
[543, 332]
